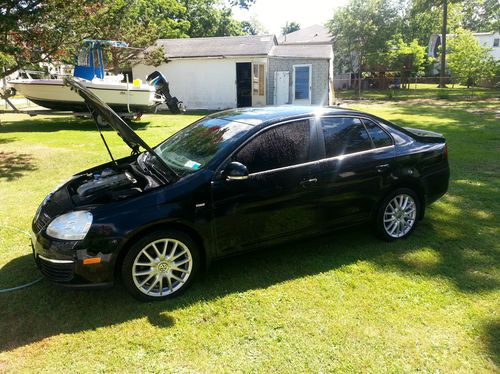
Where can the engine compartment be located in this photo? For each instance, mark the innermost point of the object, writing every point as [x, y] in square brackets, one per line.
[109, 184]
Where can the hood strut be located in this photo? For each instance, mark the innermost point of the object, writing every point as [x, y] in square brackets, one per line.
[97, 120]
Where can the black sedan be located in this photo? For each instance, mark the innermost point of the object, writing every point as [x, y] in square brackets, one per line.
[231, 182]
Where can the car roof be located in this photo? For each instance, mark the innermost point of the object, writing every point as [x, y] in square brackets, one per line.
[256, 116]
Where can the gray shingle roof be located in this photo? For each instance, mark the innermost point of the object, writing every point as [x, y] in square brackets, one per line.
[313, 34]
[248, 45]
[301, 51]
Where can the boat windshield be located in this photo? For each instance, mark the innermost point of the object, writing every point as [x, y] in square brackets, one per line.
[192, 148]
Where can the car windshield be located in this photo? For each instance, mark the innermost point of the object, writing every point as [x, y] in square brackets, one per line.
[193, 147]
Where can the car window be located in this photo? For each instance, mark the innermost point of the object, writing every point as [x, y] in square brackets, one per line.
[278, 147]
[194, 146]
[344, 135]
[380, 137]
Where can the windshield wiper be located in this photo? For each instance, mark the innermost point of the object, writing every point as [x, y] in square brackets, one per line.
[152, 158]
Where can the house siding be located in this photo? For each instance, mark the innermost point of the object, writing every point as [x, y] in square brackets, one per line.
[319, 78]
[200, 83]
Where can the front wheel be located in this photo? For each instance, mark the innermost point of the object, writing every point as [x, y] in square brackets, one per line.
[161, 265]
[397, 215]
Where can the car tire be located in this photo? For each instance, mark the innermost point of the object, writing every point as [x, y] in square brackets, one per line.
[160, 265]
[397, 215]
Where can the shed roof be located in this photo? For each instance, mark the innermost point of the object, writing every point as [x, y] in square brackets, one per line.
[248, 45]
[301, 51]
[316, 34]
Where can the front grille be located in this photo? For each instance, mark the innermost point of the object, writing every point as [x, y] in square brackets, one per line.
[41, 221]
[57, 272]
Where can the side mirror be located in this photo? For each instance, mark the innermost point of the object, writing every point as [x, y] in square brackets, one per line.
[235, 171]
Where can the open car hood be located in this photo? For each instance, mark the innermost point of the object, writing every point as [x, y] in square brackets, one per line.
[101, 111]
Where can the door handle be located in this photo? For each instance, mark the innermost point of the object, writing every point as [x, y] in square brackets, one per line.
[308, 182]
[381, 168]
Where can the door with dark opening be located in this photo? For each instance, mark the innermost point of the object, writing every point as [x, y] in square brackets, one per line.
[243, 84]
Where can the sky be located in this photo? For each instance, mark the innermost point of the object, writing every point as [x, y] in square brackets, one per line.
[273, 14]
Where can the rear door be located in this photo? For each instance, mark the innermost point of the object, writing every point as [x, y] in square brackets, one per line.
[354, 171]
[276, 200]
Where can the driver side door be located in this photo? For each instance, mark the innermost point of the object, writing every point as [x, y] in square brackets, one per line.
[276, 200]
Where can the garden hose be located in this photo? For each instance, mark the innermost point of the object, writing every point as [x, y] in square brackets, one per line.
[26, 285]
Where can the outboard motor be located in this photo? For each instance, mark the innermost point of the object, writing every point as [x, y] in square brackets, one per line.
[158, 81]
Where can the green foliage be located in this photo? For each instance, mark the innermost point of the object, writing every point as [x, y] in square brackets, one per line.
[210, 18]
[422, 18]
[406, 57]
[33, 31]
[360, 32]
[481, 15]
[252, 26]
[290, 27]
[139, 23]
[468, 60]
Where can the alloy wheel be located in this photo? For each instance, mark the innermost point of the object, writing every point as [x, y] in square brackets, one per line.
[162, 267]
[400, 215]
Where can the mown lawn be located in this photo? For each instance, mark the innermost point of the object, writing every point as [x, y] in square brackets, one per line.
[422, 91]
[345, 302]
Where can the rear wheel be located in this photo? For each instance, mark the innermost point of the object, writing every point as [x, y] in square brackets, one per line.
[161, 265]
[397, 215]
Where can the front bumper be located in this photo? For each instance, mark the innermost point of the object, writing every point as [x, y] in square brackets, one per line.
[62, 262]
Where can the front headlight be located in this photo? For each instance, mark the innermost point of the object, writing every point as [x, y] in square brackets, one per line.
[70, 226]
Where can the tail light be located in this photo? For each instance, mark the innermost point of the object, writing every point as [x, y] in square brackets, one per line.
[445, 153]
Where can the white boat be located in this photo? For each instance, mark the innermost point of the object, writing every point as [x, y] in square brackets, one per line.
[121, 96]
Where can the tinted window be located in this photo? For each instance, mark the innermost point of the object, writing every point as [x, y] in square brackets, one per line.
[380, 137]
[344, 135]
[281, 146]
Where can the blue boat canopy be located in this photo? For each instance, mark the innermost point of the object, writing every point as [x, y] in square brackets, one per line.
[90, 62]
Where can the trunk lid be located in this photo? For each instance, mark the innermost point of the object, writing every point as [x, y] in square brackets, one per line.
[426, 136]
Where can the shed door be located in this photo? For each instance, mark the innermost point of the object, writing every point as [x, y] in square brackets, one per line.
[281, 87]
[302, 84]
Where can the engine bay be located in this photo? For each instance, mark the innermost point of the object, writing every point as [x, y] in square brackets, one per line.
[110, 184]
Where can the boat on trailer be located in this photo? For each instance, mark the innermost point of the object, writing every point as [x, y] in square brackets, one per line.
[115, 90]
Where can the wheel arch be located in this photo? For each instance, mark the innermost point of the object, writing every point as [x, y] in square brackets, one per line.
[413, 185]
[178, 226]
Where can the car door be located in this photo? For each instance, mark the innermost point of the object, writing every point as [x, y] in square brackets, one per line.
[276, 199]
[354, 171]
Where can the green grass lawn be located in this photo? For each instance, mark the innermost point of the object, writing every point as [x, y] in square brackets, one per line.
[422, 91]
[345, 302]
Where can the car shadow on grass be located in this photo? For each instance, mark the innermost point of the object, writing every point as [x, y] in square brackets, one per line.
[45, 310]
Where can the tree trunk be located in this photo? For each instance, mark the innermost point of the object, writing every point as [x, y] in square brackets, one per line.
[359, 76]
[442, 80]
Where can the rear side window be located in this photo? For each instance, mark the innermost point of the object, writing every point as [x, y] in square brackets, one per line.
[380, 137]
[344, 135]
[278, 147]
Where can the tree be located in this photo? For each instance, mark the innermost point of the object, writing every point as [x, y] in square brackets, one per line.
[210, 18]
[360, 32]
[253, 27]
[290, 27]
[407, 58]
[468, 60]
[422, 18]
[139, 23]
[481, 15]
[444, 28]
[34, 31]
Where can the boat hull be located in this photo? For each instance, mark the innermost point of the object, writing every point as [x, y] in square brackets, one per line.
[53, 94]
